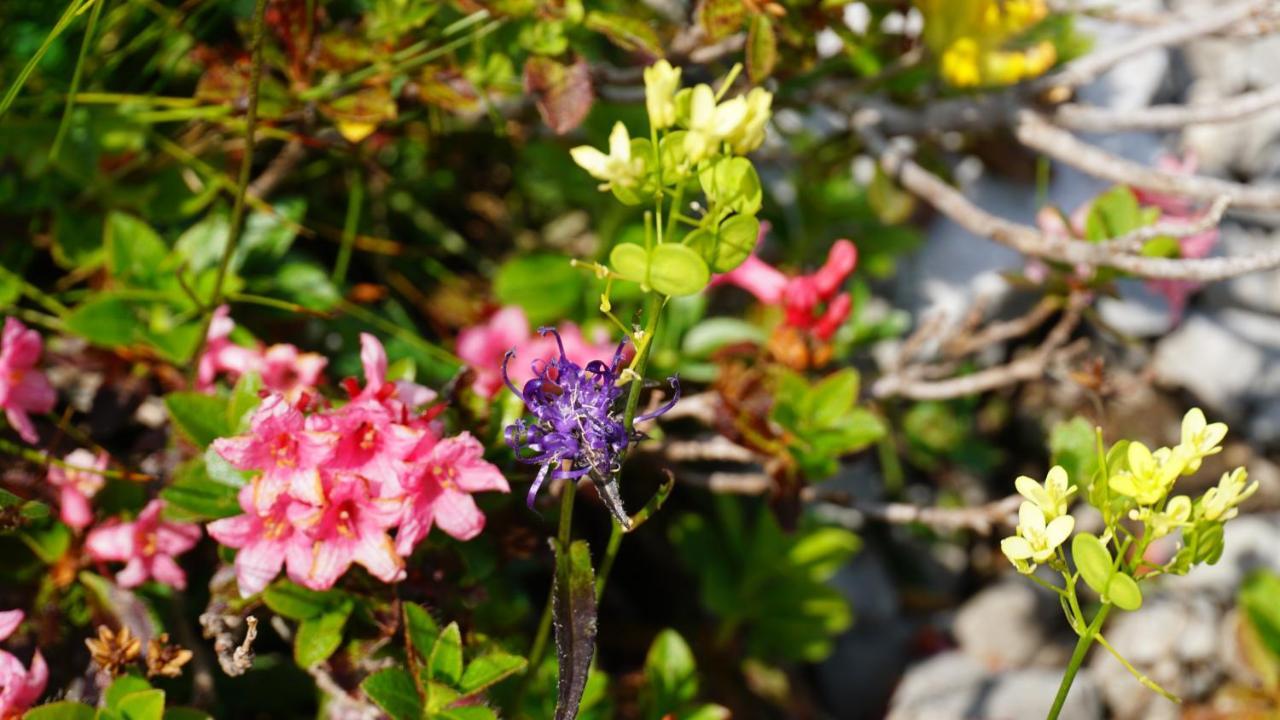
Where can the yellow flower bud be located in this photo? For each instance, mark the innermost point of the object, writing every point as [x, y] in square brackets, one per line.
[661, 81]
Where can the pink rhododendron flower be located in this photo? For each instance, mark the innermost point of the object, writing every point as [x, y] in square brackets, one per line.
[484, 347]
[19, 687]
[77, 484]
[1179, 209]
[349, 526]
[440, 490]
[281, 447]
[283, 367]
[266, 539]
[147, 546]
[333, 484]
[23, 389]
[809, 302]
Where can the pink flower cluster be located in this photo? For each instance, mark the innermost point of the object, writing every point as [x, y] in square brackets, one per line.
[148, 546]
[23, 388]
[282, 367]
[19, 687]
[332, 484]
[484, 347]
[77, 483]
[814, 302]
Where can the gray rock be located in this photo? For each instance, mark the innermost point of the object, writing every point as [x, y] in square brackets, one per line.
[1221, 68]
[1005, 625]
[1173, 641]
[1137, 312]
[1206, 358]
[955, 686]
[1256, 291]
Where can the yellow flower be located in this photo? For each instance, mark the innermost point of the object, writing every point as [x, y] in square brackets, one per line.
[1199, 438]
[960, 63]
[661, 81]
[616, 168]
[1035, 542]
[1150, 475]
[709, 123]
[1176, 513]
[749, 134]
[1219, 503]
[1051, 497]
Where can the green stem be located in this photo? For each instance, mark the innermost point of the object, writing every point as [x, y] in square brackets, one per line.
[40, 458]
[242, 183]
[349, 227]
[74, 8]
[543, 635]
[1142, 678]
[75, 79]
[1077, 659]
[610, 553]
[653, 310]
[48, 302]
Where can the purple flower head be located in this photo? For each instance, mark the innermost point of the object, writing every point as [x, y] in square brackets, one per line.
[576, 429]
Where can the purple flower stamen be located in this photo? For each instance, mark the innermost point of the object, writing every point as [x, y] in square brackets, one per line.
[576, 428]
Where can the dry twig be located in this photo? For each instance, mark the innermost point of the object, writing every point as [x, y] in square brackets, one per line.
[1089, 118]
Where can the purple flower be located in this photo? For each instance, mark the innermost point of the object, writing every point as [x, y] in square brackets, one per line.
[576, 428]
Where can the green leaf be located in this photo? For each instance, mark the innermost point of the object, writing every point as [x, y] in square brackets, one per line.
[732, 182]
[628, 33]
[393, 691]
[574, 615]
[49, 543]
[186, 713]
[891, 204]
[298, 603]
[1123, 591]
[219, 470]
[1093, 560]
[135, 253]
[244, 400]
[546, 286]
[195, 497]
[446, 656]
[833, 397]
[823, 551]
[122, 687]
[670, 674]
[677, 270]
[762, 48]
[318, 637]
[201, 418]
[1112, 214]
[307, 284]
[488, 670]
[145, 705]
[714, 333]
[65, 710]
[106, 320]
[630, 261]
[735, 242]
[422, 630]
[1073, 445]
[470, 712]
[1257, 599]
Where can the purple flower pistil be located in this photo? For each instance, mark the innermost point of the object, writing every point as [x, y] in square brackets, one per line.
[577, 428]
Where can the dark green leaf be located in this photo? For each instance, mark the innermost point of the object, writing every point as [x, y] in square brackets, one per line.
[195, 497]
[201, 418]
[547, 287]
[488, 670]
[628, 33]
[469, 712]
[762, 48]
[1258, 599]
[393, 691]
[298, 603]
[65, 710]
[670, 674]
[244, 400]
[574, 614]
[135, 253]
[422, 630]
[107, 320]
[318, 637]
[446, 657]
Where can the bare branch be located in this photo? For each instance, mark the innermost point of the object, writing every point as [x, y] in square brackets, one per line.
[1030, 241]
[982, 519]
[278, 169]
[999, 332]
[1038, 134]
[1086, 69]
[1089, 118]
[1134, 240]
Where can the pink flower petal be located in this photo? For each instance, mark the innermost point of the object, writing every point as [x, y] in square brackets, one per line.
[9, 621]
[112, 542]
[456, 514]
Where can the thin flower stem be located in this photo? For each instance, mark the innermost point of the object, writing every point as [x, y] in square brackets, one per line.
[242, 183]
[610, 554]
[543, 635]
[74, 8]
[35, 456]
[349, 227]
[653, 310]
[1142, 678]
[48, 302]
[1047, 585]
[89, 31]
[1077, 659]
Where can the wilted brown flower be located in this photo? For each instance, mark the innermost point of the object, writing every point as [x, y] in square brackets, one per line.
[111, 651]
[165, 659]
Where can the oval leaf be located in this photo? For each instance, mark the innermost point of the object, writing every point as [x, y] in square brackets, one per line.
[630, 261]
[677, 270]
[1123, 591]
[574, 612]
[1093, 561]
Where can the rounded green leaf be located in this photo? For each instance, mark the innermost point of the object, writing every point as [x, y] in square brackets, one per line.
[735, 242]
[1093, 561]
[733, 183]
[1123, 591]
[630, 261]
[677, 270]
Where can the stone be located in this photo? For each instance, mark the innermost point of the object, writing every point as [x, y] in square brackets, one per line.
[1216, 365]
[1171, 639]
[1137, 312]
[1258, 291]
[1005, 625]
[954, 686]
